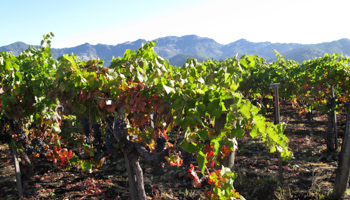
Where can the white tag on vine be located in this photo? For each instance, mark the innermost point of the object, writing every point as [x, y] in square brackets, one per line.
[108, 102]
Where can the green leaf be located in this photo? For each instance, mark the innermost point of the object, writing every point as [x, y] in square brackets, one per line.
[128, 53]
[139, 76]
[189, 147]
[213, 105]
[74, 159]
[216, 146]
[281, 127]
[19, 76]
[254, 132]
[251, 61]
[85, 164]
[202, 160]
[8, 64]
[245, 111]
[237, 133]
[217, 113]
[203, 134]
[201, 108]
[243, 63]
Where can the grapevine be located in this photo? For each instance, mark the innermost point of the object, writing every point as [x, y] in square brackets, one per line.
[139, 102]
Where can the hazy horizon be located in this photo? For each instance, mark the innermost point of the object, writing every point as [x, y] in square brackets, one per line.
[171, 36]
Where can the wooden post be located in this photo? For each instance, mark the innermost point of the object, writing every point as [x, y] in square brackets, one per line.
[334, 116]
[277, 105]
[17, 169]
[277, 121]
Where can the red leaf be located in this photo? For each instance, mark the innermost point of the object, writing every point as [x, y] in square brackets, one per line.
[164, 135]
[210, 164]
[225, 150]
[208, 148]
[192, 173]
[70, 153]
[210, 155]
[215, 178]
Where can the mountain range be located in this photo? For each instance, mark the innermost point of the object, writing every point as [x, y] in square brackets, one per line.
[178, 49]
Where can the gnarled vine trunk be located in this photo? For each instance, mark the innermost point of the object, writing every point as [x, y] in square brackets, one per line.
[329, 135]
[132, 154]
[229, 160]
[135, 177]
[342, 173]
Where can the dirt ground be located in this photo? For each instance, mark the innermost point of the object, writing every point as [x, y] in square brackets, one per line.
[309, 175]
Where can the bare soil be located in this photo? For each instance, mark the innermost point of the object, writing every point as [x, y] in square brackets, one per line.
[309, 175]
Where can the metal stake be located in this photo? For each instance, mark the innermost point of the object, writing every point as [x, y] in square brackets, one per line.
[277, 121]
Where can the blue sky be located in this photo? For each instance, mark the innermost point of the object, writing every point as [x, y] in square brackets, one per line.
[113, 22]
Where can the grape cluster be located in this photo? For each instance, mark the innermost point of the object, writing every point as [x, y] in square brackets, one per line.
[109, 139]
[43, 155]
[37, 142]
[119, 126]
[160, 144]
[22, 134]
[12, 125]
[186, 157]
[86, 127]
[33, 125]
[97, 134]
[28, 149]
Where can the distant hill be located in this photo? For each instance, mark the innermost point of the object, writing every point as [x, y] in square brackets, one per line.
[181, 58]
[312, 51]
[178, 49]
[16, 47]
